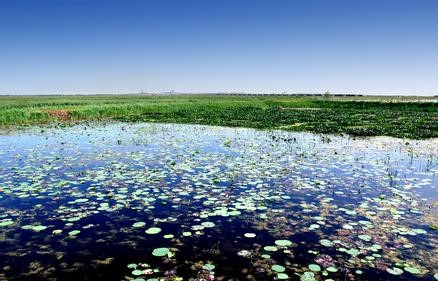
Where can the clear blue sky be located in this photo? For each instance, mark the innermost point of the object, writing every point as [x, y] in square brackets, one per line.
[78, 46]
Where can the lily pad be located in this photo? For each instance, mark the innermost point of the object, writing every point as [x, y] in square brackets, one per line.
[153, 230]
[208, 266]
[138, 224]
[38, 228]
[283, 243]
[6, 223]
[314, 267]
[270, 248]
[394, 271]
[282, 276]
[278, 268]
[308, 276]
[137, 272]
[365, 237]
[326, 242]
[412, 269]
[74, 232]
[160, 252]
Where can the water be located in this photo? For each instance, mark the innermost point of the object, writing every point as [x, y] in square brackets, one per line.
[228, 204]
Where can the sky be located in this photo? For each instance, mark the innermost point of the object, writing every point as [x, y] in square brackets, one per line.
[260, 46]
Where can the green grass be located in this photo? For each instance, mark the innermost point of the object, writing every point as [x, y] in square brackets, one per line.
[357, 116]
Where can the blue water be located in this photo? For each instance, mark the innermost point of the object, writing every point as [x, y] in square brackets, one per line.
[373, 199]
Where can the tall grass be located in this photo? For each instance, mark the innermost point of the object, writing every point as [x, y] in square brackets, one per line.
[334, 115]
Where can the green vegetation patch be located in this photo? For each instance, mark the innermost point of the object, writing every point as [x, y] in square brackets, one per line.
[360, 116]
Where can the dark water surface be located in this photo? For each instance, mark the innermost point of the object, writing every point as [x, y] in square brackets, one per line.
[180, 202]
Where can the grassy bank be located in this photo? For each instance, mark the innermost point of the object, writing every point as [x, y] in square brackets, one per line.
[356, 116]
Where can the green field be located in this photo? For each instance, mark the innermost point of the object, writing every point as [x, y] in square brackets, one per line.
[361, 116]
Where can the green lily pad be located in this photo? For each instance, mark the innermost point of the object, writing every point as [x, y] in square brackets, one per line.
[354, 252]
[139, 224]
[39, 228]
[412, 269]
[160, 252]
[314, 267]
[137, 272]
[208, 266]
[270, 248]
[153, 230]
[6, 223]
[394, 271]
[278, 268]
[74, 232]
[283, 243]
[208, 224]
[308, 276]
[332, 269]
[326, 243]
[282, 276]
[365, 237]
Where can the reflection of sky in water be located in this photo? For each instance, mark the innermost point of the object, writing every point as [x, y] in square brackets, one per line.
[300, 187]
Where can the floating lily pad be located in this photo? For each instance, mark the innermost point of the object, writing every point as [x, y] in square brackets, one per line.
[138, 224]
[365, 237]
[314, 267]
[283, 243]
[74, 232]
[208, 266]
[412, 269]
[332, 269]
[270, 248]
[278, 268]
[6, 223]
[308, 276]
[137, 272]
[208, 224]
[39, 228]
[326, 242]
[153, 230]
[354, 252]
[394, 271]
[160, 252]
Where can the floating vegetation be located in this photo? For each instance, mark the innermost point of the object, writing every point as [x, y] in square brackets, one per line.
[314, 267]
[153, 230]
[283, 243]
[160, 252]
[278, 268]
[74, 232]
[118, 201]
[138, 224]
[394, 271]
